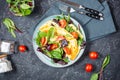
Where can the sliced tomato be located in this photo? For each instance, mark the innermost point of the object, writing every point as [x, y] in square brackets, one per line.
[63, 23]
[59, 38]
[53, 46]
[67, 50]
[43, 41]
[75, 35]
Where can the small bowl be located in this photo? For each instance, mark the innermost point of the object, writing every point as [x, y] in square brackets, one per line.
[20, 14]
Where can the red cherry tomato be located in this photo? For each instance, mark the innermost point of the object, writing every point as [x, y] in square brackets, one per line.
[22, 48]
[93, 55]
[88, 67]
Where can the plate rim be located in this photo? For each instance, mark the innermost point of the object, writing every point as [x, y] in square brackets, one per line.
[33, 42]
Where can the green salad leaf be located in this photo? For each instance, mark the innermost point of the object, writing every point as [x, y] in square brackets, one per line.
[24, 6]
[66, 59]
[106, 61]
[10, 26]
[9, 1]
[20, 7]
[79, 41]
[50, 33]
[94, 76]
[57, 53]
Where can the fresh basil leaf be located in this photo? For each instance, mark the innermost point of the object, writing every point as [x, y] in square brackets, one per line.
[24, 6]
[106, 61]
[94, 76]
[8, 1]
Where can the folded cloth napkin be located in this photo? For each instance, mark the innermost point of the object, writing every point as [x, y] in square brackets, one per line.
[94, 29]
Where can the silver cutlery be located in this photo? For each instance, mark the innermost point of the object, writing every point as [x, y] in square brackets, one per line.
[68, 9]
[83, 7]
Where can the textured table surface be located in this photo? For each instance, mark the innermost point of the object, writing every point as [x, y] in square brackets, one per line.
[27, 66]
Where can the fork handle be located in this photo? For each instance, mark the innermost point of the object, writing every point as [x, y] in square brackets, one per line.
[94, 16]
[93, 11]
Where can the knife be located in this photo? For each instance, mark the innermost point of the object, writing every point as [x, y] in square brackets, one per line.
[83, 7]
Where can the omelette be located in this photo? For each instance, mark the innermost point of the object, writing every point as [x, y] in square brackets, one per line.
[59, 43]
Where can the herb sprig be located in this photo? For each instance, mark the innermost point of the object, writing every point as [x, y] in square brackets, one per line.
[98, 76]
[11, 26]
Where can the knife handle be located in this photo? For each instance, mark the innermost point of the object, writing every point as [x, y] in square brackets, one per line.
[94, 11]
[94, 16]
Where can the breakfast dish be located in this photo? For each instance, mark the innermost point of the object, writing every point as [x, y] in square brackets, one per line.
[60, 39]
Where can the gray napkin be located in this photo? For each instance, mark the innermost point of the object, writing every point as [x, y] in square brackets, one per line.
[94, 29]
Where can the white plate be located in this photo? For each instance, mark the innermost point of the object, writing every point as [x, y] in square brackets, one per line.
[43, 57]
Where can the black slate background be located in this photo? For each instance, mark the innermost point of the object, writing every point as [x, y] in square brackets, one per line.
[27, 66]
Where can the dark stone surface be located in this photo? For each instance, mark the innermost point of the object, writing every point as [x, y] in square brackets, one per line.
[27, 66]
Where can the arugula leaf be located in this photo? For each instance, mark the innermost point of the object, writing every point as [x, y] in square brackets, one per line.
[106, 61]
[94, 76]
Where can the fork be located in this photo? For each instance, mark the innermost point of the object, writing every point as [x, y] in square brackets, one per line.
[68, 9]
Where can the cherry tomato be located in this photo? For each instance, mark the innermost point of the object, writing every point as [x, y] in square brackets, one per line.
[53, 46]
[60, 38]
[88, 67]
[67, 50]
[93, 55]
[75, 35]
[22, 48]
[43, 41]
[62, 23]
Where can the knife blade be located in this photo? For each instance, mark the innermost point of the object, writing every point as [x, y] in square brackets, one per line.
[83, 7]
